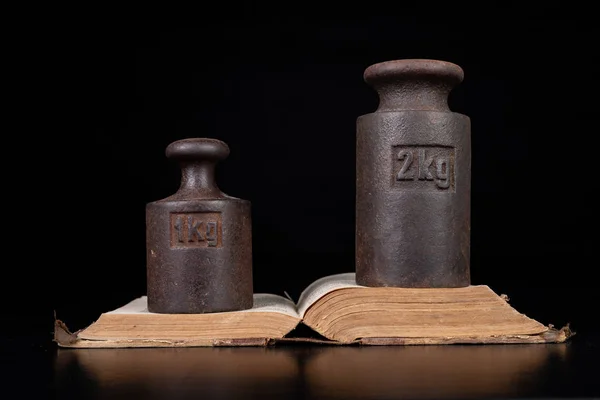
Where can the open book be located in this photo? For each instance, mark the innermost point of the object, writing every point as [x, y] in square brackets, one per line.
[336, 308]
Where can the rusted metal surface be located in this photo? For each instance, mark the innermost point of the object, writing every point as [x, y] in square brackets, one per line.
[413, 172]
[199, 244]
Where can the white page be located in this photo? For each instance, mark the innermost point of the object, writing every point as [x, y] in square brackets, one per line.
[322, 286]
[263, 302]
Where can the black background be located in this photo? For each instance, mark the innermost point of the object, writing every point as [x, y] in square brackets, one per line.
[114, 87]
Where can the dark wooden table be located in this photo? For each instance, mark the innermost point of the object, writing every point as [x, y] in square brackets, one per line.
[306, 371]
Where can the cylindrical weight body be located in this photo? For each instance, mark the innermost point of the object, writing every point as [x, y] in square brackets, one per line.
[199, 241]
[413, 161]
[199, 256]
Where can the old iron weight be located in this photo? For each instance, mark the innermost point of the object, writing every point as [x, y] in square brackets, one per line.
[199, 244]
[413, 173]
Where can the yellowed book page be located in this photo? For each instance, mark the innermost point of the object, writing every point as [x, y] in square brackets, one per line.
[322, 286]
[271, 316]
[263, 302]
[354, 313]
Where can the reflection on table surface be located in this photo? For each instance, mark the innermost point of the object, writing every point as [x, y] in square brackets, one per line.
[307, 371]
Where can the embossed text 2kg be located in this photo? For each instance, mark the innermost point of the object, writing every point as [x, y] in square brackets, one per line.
[423, 167]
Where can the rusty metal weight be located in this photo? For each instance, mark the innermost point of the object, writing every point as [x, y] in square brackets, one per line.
[413, 172]
[198, 241]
